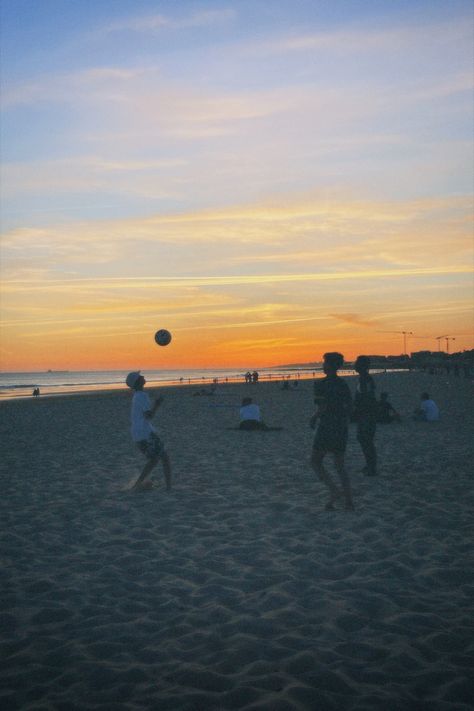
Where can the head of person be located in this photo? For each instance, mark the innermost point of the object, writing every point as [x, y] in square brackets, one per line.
[135, 380]
[362, 364]
[425, 396]
[246, 401]
[332, 362]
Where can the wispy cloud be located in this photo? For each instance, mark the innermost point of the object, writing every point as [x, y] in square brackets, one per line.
[94, 173]
[361, 236]
[352, 319]
[367, 39]
[173, 282]
[82, 86]
[155, 23]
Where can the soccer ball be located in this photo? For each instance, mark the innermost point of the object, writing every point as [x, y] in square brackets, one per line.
[163, 337]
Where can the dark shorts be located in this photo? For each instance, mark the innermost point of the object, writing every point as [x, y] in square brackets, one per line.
[152, 447]
[251, 425]
[331, 439]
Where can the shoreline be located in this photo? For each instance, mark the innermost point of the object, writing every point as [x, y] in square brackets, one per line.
[155, 384]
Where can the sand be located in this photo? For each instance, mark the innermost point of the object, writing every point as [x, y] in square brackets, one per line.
[236, 590]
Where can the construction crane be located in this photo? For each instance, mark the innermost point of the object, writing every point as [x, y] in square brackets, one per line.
[405, 334]
[438, 338]
[447, 338]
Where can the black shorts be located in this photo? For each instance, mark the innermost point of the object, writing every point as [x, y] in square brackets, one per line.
[331, 439]
[152, 448]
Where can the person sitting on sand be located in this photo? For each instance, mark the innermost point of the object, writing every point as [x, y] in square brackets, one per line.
[334, 402]
[250, 417]
[386, 413]
[144, 434]
[428, 410]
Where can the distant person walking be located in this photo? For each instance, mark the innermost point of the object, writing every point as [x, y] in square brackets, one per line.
[144, 434]
[365, 414]
[332, 397]
[428, 410]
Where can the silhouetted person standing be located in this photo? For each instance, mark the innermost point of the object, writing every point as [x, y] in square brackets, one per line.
[365, 414]
[333, 399]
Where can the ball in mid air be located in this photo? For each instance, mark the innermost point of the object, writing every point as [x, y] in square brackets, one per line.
[163, 337]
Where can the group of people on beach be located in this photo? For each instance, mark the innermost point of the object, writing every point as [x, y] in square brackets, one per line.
[335, 408]
[251, 377]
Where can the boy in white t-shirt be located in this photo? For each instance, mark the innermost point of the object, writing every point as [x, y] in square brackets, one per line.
[144, 434]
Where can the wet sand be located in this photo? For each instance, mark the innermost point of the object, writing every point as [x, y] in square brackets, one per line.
[236, 590]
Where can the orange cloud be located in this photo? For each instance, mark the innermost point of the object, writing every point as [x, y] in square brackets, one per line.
[352, 319]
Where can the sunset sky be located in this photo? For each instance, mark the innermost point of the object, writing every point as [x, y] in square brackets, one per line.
[268, 179]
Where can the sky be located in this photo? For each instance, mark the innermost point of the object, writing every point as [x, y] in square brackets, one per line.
[267, 179]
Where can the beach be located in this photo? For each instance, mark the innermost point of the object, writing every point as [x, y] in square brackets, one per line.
[236, 590]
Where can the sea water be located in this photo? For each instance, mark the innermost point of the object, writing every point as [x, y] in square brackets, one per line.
[61, 382]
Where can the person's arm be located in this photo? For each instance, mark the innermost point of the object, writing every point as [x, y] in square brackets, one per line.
[149, 413]
[320, 402]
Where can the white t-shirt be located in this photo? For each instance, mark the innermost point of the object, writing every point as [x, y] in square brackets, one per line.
[430, 410]
[141, 427]
[250, 412]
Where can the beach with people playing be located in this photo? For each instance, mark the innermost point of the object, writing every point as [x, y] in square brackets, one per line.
[236, 588]
[236, 356]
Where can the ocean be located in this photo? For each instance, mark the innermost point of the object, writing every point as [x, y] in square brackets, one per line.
[52, 383]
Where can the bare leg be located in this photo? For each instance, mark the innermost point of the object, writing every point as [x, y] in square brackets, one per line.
[147, 469]
[345, 481]
[365, 435]
[317, 464]
[167, 470]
